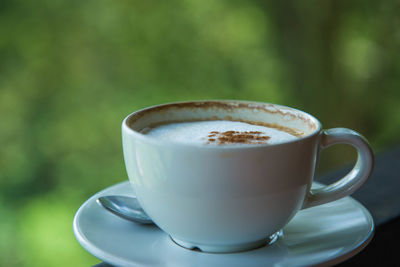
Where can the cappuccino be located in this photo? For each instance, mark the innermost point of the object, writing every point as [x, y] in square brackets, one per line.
[210, 175]
[220, 132]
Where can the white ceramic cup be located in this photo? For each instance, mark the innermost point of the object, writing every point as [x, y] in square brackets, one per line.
[232, 198]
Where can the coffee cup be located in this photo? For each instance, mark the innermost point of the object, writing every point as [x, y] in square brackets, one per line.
[236, 194]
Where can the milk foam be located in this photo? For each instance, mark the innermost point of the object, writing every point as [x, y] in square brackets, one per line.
[201, 132]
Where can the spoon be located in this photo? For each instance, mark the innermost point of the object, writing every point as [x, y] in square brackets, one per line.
[125, 207]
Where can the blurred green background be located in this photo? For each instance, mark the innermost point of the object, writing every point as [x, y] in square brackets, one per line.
[70, 71]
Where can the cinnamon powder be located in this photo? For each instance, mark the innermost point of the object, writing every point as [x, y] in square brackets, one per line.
[235, 137]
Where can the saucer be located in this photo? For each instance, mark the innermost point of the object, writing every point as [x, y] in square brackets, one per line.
[322, 235]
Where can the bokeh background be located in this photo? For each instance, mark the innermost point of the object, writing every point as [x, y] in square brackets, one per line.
[71, 70]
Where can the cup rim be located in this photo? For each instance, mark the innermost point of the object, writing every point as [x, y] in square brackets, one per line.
[147, 139]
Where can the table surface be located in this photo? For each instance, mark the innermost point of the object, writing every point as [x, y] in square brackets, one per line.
[380, 195]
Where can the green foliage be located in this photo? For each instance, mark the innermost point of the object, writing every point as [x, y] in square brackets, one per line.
[70, 71]
[44, 231]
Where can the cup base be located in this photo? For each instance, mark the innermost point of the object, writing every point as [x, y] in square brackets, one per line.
[228, 248]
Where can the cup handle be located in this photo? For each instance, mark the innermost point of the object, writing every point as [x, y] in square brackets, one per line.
[354, 179]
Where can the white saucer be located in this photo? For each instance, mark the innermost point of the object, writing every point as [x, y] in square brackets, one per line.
[323, 235]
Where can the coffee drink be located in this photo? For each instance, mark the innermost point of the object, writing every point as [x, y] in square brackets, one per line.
[248, 169]
[220, 132]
